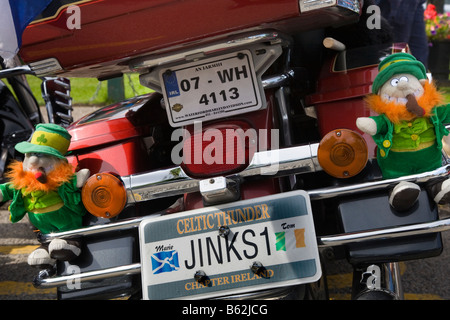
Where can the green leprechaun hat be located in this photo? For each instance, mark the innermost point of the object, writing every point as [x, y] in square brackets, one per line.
[398, 63]
[48, 138]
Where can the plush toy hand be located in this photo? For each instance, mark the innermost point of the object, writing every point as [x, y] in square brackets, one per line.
[367, 125]
[1, 196]
[82, 177]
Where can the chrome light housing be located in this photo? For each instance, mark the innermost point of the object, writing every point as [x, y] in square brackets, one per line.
[308, 5]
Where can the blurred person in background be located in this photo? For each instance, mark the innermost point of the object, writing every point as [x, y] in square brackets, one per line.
[406, 18]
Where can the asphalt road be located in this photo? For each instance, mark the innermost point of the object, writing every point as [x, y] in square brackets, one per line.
[17, 241]
[422, 279]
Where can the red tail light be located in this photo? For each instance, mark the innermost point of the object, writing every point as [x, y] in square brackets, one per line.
[218, 149]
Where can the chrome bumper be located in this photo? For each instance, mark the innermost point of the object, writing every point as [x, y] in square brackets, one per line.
[173, 181]
[271, 164]
[326, 241]
[295, 160]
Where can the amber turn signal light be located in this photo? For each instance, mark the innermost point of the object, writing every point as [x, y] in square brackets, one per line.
[342, 153]
[104, 195]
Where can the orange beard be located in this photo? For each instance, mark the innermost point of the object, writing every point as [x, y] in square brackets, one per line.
[397, 112]
[27, 182]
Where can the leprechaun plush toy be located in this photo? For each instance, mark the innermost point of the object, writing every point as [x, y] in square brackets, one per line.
[45, 187]
[409, 128]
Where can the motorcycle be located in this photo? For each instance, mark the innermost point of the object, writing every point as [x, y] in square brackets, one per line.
[214, 186]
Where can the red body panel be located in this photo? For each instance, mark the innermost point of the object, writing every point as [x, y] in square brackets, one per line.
[112, 139]
[340, 100]
[112, 30]
[341, 89]
[124, 158]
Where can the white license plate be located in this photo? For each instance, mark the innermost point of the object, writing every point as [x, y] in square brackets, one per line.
[275, 231]
[211, 88]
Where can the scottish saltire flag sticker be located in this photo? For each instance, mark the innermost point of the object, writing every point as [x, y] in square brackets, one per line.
[15, 15]
[165, 261]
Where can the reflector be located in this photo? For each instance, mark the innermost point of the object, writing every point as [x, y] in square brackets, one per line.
[104, 195]
[342, 153]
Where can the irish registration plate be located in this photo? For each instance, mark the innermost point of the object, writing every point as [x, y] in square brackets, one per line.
[263, 243]
[211, 88]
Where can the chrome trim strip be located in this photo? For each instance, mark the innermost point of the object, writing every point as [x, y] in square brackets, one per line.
[159, 184]
[278, 80]
[308, 5]
[174, 181]
[376, 185]
[269, 294]
[385, 233]
[162, 58]
[42, 282]
[15, 71]
[38, 69]
[96, 229]
[354, 5]
[45, 67]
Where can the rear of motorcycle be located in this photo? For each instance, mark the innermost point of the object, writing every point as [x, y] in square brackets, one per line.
[200, 209]
[228, 194]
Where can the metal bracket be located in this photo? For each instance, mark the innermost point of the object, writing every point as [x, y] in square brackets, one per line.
[39, 68]
[219, 190]
[56, 94]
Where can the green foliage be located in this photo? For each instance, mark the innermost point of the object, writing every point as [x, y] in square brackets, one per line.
[446, 93]
[90, 91]
[87, 91]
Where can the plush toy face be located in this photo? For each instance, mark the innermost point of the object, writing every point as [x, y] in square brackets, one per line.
[399, 87]
[40, 164]
[404, 97]
[33, 161]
